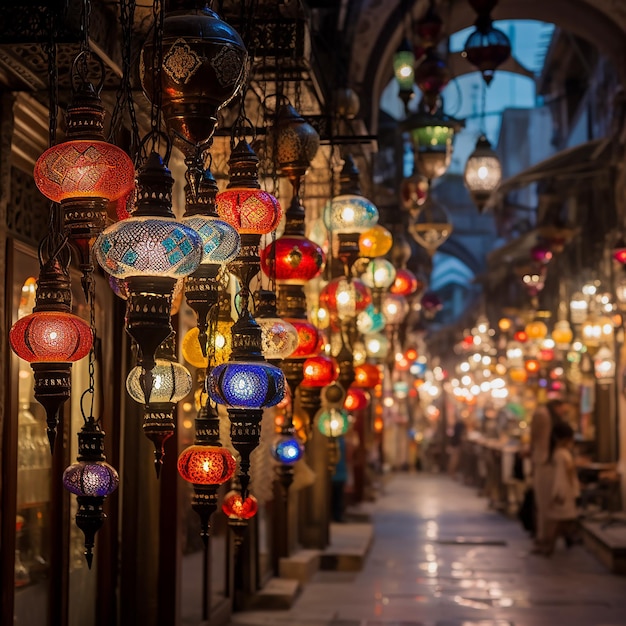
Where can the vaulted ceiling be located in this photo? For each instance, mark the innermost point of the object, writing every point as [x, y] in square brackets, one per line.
[378, 27]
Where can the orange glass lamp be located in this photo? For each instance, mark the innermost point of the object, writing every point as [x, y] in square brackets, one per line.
[206, 465]
[51, 339]
[536, 330]
[562, 334]
[84, 173]
[366, 376]
[532, 366]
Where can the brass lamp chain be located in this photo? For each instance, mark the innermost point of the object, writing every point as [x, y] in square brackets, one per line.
[157, 98]
[124, 98]
[91, 389]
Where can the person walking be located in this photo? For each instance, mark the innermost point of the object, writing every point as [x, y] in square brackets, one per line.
[544, 419]
[561, 513]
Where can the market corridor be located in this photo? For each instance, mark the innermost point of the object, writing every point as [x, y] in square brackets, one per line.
[419, 574]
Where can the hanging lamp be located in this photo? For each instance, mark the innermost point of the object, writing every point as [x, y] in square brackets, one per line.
[91, 479]
[483, 172]
[171, 383]
[206, 465]
[150, 250]
[203, 61]
[51, 338]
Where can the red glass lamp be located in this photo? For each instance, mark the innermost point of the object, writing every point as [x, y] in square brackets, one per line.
[319, 371]
[51, 339]
[292, 260]
[234, 506]
[356, 399]
[244, 204]
[405, 283]
[84, 173]
[619, 251]
[520, 336]
[432, 76]
[308, 338]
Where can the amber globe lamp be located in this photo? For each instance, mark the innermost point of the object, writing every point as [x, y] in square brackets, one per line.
[532, 366]
[375, 242]
[536, 330]
[234, 506]
[562, 334]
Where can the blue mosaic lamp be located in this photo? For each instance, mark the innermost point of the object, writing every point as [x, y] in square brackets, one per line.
[92, 480]
[221, 244]
[287, 449]
[150, 251]
[246, 385]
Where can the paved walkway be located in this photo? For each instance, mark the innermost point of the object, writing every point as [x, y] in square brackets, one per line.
[418, 573]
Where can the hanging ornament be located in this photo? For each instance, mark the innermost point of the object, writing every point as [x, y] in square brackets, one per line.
[404, 70]
[405, 283]
[349, 214]
[483, 173]
[487, 47]
[432, 227]
[413, 192]
[84, 173]
[203, 62]
[431, 136]
[51, 338]
[171, 383]
[296, 144]
[150, 250]
[220, 245]
[279, 338]
[91, 479]
[376, 241]
[206, 465]
[432, 75]
[345, 298]
[428, 28]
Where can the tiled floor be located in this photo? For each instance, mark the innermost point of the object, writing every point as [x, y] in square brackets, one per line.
[419, 573]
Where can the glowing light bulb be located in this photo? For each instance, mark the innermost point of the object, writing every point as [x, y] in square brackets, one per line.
[482, 172]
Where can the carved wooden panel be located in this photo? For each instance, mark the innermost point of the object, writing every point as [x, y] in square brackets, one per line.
[27, 210]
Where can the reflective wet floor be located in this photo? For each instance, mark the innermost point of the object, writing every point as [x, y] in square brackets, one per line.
[441, 558]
